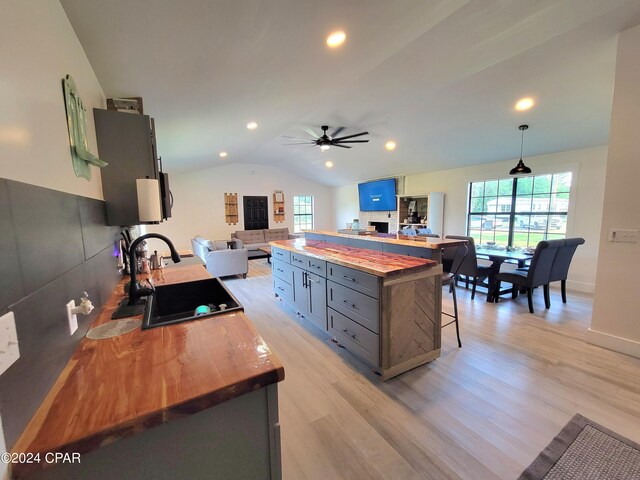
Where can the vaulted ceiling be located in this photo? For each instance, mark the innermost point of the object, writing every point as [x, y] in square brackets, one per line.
[438, 77]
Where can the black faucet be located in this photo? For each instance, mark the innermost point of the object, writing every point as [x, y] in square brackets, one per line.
[135, 290]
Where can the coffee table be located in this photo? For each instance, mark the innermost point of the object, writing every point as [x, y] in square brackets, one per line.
[266, 250]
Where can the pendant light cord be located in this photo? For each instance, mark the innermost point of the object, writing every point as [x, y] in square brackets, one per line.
[521, 142]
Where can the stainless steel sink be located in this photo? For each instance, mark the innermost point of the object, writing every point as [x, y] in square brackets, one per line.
[177, 303]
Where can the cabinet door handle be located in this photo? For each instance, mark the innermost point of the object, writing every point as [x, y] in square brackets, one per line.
[281, 289]
[280, 270]
[305, 282]
[349, 278]
[352, 335]
[352, 305]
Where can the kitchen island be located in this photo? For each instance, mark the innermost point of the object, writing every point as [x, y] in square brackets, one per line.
[192, 400]
[383, 307]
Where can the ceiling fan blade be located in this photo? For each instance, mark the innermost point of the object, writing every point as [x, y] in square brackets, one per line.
[341, 146]
[337, 131]
[311, 132]
[301, 143]
[351, 136]
[288, 137]
[348, 141]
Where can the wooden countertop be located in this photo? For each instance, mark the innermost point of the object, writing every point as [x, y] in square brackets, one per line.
[114, 388]
[369, 261]
[417, 241]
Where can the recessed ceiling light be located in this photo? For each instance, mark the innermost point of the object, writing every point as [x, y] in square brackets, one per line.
[328, 164]
[223, 154]
[325, 147]
[390, 145]
[524, 104]
[336, 39]
[252, 125]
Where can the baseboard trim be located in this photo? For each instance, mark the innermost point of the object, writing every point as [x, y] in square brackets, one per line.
[581, 287]
[611, 342]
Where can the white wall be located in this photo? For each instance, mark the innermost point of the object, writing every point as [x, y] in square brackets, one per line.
[38, 47]
[199, 201]
[4, 468]
[615, 311]
[587, 193]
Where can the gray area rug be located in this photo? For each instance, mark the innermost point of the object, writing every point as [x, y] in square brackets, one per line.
[584, 450]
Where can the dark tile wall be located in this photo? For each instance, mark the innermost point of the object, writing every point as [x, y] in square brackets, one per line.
[53, 246]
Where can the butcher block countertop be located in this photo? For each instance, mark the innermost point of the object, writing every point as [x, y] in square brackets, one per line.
[116, 387]
[369, 261]
[431, 243]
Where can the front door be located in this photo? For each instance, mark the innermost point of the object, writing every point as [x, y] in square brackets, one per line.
[256, 216]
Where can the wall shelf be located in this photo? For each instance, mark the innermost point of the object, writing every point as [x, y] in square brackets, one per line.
[231, 208]
[278, 206]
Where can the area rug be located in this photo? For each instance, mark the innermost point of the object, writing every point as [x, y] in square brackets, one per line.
[584, 450]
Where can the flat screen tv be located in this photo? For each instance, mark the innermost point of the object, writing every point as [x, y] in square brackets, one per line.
[379, 195]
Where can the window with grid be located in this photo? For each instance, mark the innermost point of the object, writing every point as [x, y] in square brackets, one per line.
[519, 212]
[302, 213]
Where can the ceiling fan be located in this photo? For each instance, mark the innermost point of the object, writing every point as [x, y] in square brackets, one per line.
[326, 141]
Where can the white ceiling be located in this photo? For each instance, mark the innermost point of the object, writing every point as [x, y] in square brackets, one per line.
[439, 77]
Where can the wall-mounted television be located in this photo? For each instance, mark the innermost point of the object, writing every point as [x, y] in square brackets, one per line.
[379, 195]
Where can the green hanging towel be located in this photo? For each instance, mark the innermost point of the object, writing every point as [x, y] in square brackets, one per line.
[80, 155]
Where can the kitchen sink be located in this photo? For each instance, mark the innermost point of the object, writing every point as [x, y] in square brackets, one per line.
[176, 303]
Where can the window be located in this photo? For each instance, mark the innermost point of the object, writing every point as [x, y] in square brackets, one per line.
[302, 213]
[519, 212]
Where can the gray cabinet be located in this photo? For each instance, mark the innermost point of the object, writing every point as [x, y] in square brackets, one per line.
[127, 142]
[310, 296]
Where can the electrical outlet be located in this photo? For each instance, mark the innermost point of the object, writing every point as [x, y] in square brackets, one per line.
[9, 349]
[72, 318]
[629, 236]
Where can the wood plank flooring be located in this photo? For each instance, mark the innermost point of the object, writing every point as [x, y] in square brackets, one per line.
[484, 411]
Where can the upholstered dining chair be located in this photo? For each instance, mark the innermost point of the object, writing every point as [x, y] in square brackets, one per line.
[459, 253]
[470, 268]
[562, 262]
[538, 274]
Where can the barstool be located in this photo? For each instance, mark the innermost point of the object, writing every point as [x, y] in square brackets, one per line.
[448, 278]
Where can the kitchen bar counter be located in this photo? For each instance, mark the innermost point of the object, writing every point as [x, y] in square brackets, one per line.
[369, 261]
[430, 243]
[114, 388]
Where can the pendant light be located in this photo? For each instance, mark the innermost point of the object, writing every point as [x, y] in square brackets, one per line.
[521, 168]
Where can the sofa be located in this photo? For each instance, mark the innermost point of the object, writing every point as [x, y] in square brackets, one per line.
[252, 240]
[221, 261]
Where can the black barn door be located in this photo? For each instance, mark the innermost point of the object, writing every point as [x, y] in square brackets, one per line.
[256, 215]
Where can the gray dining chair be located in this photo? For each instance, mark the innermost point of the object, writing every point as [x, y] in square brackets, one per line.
[562, 262]
[459, 253]
[538, 274]
[469, 268]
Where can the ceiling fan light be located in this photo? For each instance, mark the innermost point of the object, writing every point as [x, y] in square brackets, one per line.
[325, 147]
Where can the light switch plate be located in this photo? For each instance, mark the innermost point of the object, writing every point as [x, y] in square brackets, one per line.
[628, 236]
[72, 318]
[9, 350]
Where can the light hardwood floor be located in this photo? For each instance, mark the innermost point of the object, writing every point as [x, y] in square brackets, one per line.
[484, 411]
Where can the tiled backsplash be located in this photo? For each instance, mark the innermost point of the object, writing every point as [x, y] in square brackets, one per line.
[54, 246]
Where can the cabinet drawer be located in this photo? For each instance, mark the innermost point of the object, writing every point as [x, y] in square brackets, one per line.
[357, 339]
[283, 289]
[363, 282]
[299, 260]
[281, 270]
[281, 254]
[357, 306]
[319, 267]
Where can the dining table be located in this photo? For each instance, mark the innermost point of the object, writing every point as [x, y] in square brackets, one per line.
[497, 258]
